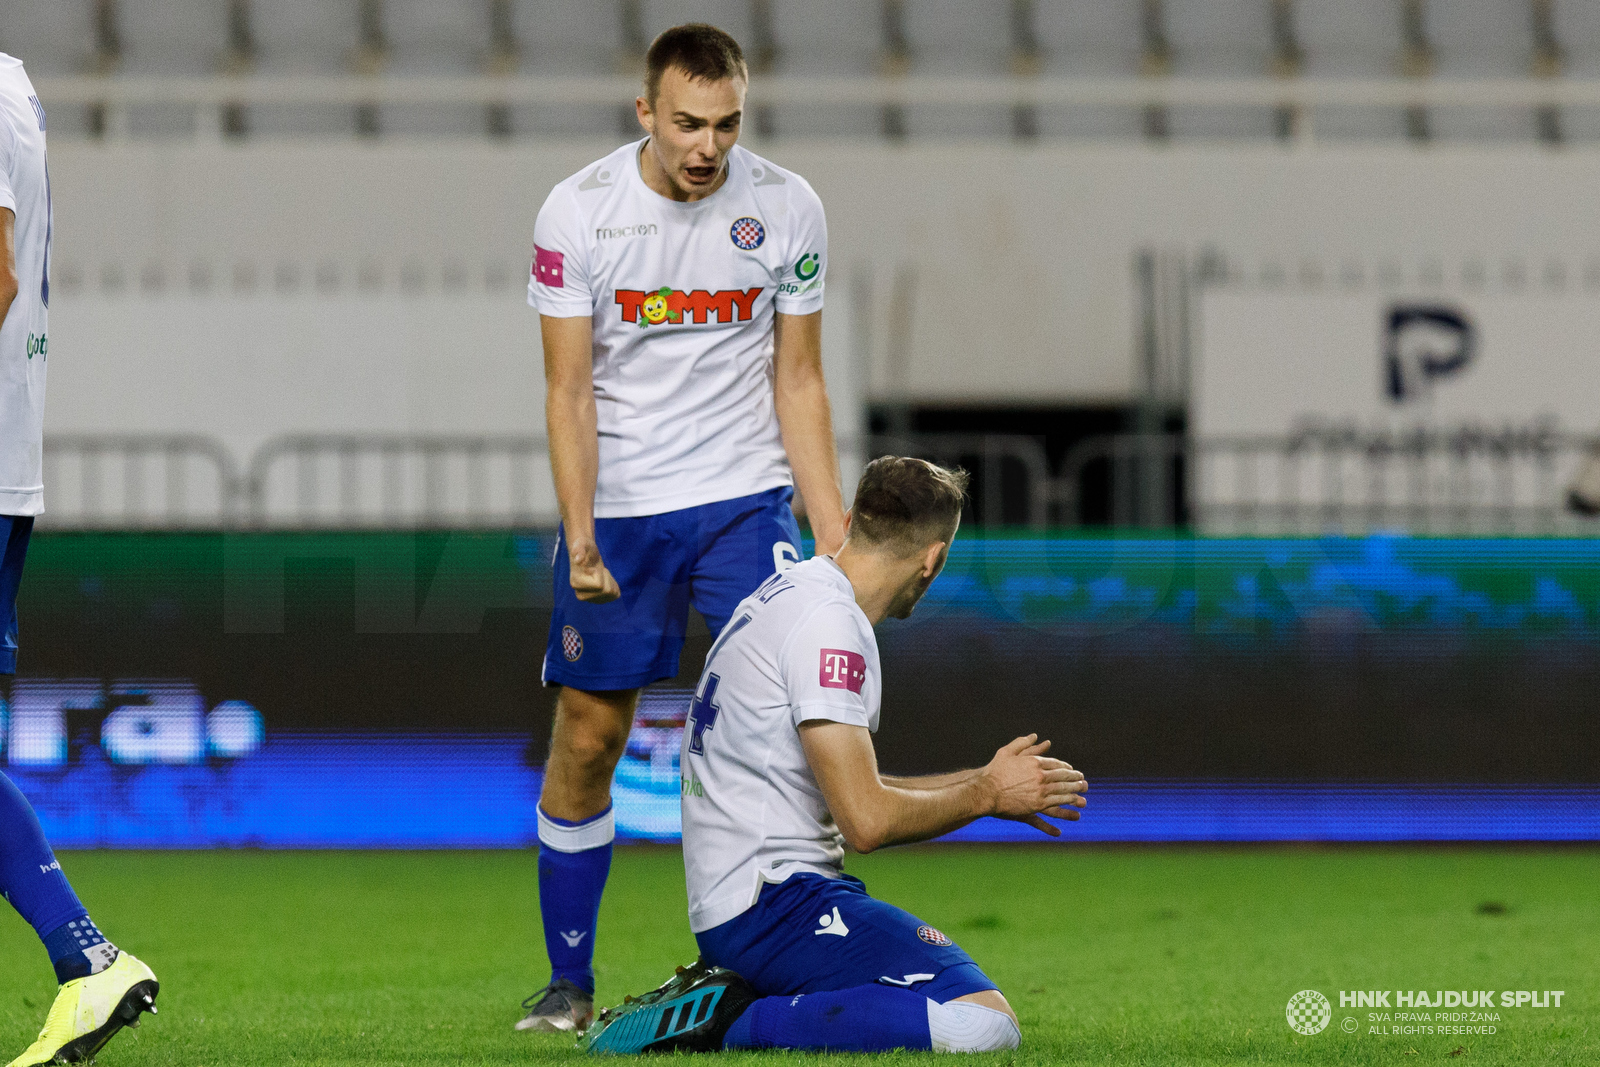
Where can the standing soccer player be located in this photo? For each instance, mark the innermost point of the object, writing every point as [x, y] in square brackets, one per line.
[102, 988]
[679, 285]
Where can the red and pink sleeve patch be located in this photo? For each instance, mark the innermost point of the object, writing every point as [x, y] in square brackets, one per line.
[547, 268]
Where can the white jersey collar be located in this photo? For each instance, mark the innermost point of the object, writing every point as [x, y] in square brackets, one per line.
[636, 150]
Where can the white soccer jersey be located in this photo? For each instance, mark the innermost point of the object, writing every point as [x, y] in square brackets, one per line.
[798, 648]
[682, 297]
[24, 342]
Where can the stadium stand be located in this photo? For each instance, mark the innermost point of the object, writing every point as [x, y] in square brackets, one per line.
[1128, 131]
[817, 42]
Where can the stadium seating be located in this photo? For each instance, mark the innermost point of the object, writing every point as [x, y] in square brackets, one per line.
[823, 39]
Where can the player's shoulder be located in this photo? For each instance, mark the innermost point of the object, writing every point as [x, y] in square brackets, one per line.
[594, 184]
[823, 598]
[771, 182]
[14, 81]
[13, 76]
[17, 90]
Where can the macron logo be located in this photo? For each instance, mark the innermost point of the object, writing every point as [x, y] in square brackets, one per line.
[832, 924]
[841, 669]
[572, 937]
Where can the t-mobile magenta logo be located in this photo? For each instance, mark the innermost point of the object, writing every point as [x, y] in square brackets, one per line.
[841, 669]
[547, 268]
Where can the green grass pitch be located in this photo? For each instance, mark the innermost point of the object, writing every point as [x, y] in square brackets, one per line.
[1110, 955]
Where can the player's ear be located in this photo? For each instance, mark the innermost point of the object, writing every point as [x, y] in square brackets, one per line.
[933, 558]
[847, 516]
[646, 114]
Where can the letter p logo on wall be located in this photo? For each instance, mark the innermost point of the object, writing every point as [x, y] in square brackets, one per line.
[842, 669]
[1423, 343]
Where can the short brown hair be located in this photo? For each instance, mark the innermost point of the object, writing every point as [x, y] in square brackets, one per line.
[907, 504]
[701, 51]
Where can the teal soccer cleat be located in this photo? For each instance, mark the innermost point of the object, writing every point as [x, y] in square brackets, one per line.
[691, 1012]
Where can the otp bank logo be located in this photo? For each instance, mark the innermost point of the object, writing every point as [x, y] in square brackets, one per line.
[652, 308]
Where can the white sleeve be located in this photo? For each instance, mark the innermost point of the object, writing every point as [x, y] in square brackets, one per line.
[558, 278]
[824, 666]
[8, 152]
[800, 286]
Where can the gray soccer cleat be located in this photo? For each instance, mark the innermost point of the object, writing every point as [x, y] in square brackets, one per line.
[560, 1007]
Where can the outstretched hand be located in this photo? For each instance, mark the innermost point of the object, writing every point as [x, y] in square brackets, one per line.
[592, 583]
[1027, 784]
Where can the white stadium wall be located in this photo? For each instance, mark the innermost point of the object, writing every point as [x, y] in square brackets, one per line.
[1280, 362]
[245, 291]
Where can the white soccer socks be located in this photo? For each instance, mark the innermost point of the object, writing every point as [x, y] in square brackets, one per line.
[962, 1026]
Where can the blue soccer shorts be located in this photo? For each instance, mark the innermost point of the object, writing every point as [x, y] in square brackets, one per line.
[810, 934]
[711, 556]
[14, 533]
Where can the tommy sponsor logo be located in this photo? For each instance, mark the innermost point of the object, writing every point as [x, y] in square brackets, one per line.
[547, 268]
[933, 937]
[842, 669]
[664, 305]
[832, 924]
[642, 229]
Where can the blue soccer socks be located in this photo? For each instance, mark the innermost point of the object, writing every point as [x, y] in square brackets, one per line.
[868, 1018]
[31, 879]
[574, 860]
[78, 949]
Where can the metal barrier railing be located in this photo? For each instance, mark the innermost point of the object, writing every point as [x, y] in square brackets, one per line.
[1315, 482]
[364, 480]
[139, 481]
[1468, 481]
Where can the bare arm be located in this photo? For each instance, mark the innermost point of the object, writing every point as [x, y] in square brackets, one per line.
[1019, 783]
[801, 397]
[928, 781]
[940, 781]
[575, 448]
[8, 261]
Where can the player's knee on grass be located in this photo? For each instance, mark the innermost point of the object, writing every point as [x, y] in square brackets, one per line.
[962, 1026]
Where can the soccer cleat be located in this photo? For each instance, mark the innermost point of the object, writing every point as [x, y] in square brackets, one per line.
[88, 1012]
[691, 1012]
[560, 1007]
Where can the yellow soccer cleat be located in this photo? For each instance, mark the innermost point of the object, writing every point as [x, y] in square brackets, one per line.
[88, 1012]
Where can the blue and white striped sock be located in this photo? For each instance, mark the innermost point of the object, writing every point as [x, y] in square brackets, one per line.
[574, 860]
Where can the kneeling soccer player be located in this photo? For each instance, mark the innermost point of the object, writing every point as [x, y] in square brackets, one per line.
[779, 773]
